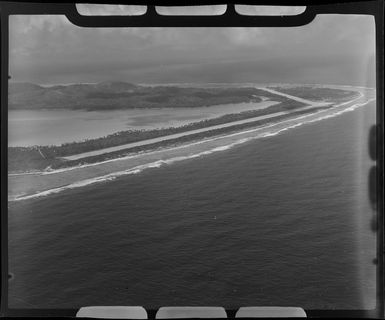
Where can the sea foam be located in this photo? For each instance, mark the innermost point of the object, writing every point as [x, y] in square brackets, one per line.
[159, 163]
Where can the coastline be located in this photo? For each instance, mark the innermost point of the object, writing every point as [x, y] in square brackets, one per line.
[170, 141]
[36, 185]
[51, 157]
[310, 105]
[42, 159]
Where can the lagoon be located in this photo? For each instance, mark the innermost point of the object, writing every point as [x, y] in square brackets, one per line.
[57, 126]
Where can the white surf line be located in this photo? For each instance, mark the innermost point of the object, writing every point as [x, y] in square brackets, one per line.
[46, 172]
[182, 146]
[138, 154]
[159, 163]
[176, 135]
[311, 104]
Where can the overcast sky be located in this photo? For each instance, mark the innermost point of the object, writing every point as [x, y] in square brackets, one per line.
[333, 49]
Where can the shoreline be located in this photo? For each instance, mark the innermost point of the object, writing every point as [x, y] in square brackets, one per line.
[310, 104]
[136, 154]
[40, 158]
[34, 186]
[175, 136]
[167, 142]
[199, 130]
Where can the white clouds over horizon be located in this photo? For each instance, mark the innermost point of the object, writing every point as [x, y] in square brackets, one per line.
[49, 49]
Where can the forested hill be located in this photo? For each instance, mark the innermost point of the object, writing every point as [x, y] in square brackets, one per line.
[122, 95]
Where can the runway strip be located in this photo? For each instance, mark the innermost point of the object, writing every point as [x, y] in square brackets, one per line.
[311, 104]
[40, 184]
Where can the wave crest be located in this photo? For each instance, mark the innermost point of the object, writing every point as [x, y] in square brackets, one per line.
[159, 163]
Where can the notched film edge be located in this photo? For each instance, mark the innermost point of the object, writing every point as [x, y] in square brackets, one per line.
[208, 161]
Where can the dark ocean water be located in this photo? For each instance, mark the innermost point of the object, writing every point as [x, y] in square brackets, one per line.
[282, 220]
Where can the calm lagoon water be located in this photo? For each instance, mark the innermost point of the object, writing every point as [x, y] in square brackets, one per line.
[54, 127]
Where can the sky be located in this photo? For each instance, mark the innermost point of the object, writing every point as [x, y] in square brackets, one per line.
[333, 49]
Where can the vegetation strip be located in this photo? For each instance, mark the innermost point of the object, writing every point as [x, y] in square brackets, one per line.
[22, 159]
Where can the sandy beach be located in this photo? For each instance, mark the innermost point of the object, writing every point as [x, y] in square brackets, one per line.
[29, 186]
[310, 105]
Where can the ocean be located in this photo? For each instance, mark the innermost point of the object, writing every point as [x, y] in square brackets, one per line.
[281, 220]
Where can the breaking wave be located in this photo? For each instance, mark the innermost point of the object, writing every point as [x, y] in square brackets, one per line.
[159, 163]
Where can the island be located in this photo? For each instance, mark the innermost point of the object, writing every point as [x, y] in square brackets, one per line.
[288, 102]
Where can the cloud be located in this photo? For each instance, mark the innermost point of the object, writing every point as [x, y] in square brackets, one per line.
[268, 10]
[212, 10]
[49, 49]
[110, 9]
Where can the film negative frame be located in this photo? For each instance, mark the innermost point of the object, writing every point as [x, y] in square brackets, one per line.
[229, 19]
